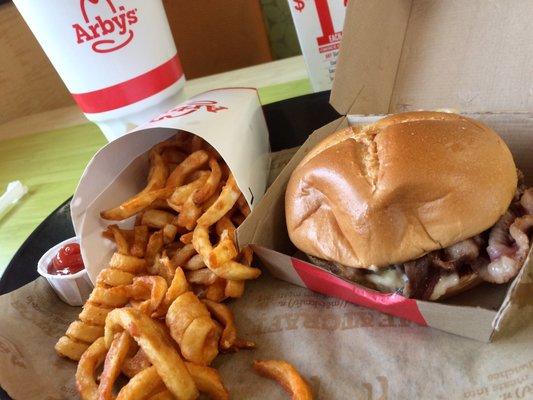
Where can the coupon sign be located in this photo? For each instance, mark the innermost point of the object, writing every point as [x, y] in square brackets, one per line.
[319, 26]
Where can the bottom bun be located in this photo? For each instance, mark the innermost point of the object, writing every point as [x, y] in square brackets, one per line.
[393, 280]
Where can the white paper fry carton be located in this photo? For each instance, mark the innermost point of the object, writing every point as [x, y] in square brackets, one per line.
[319, 27]
[230, 120]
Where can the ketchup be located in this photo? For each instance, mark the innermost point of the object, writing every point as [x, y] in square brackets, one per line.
[67, 260]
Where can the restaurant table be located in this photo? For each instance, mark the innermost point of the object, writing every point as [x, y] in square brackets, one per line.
[48, 151]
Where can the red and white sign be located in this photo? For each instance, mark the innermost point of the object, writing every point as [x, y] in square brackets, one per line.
[116, 57]
[319, 26]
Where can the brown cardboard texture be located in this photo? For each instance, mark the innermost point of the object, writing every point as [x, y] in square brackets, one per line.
[409, 55]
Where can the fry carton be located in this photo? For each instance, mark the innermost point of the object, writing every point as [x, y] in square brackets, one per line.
[230, 120]
[408, 55]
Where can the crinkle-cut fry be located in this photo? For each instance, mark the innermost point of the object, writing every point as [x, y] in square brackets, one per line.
[244, 344]
[140, 240]
[84, 332]
[91, 359]
[225, 224]
[223, 314]
[210, 187]
[136, 204]
[183, 255]
[234, 289]
[230, 270]
[122, 237]
[202, 276]
[169, 233]
[158, 174]
[201, 242]
[228, 197]
[224, 251]
[286, 375]
[210, 201]
[116, 296]
[178, 286]
[247, 255]
[135, 364]
[193, 329]
[93, 314]
[154, 246]
[243, 205]
[197, 143]
[164, 395]
[123, 247]
[186, 238]
[141, 385]
[158, 348]
[182, 193]
[193, 162]
[164, 268]
[114, 277]
[173, 155]
[70, 348]
[208, 381]
[189, 213]
[194, 263]
[114, 359]
[131, 264]
[158, 204]
[180, 141]
[216, 290]
[157, 219]
[152, 288]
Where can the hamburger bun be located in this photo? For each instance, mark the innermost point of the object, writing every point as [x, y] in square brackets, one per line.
[395, 190]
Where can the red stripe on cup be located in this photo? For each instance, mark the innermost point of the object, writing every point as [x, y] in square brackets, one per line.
[323, 282]
[132, 90]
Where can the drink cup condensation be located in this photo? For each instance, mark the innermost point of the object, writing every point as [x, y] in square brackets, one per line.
[116, 57]
[319, 25]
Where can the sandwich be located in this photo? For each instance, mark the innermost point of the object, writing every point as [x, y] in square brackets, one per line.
[424, 204]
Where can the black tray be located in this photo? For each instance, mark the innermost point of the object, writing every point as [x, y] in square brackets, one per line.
[289, 122]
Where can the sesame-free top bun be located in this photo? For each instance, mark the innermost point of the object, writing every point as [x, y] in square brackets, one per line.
[392, 191]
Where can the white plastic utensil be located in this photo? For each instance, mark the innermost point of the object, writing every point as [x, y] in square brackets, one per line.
[14, 192]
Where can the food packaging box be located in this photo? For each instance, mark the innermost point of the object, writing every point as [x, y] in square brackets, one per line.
[319, 27]
[400, 55]
[230, 120]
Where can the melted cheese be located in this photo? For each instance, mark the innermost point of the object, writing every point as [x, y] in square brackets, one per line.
[390, 280]
[444, 283]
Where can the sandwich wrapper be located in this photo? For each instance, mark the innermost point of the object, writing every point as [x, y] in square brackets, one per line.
[346, 351]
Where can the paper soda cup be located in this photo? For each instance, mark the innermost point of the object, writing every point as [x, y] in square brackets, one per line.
[116, 57]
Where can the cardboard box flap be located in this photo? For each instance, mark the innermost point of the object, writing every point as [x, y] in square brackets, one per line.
[266, 225]
[405, 55]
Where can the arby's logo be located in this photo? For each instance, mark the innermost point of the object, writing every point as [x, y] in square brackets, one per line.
[105, 26]
[211, 106]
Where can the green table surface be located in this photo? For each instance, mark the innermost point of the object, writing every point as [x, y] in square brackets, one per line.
[51, 163]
